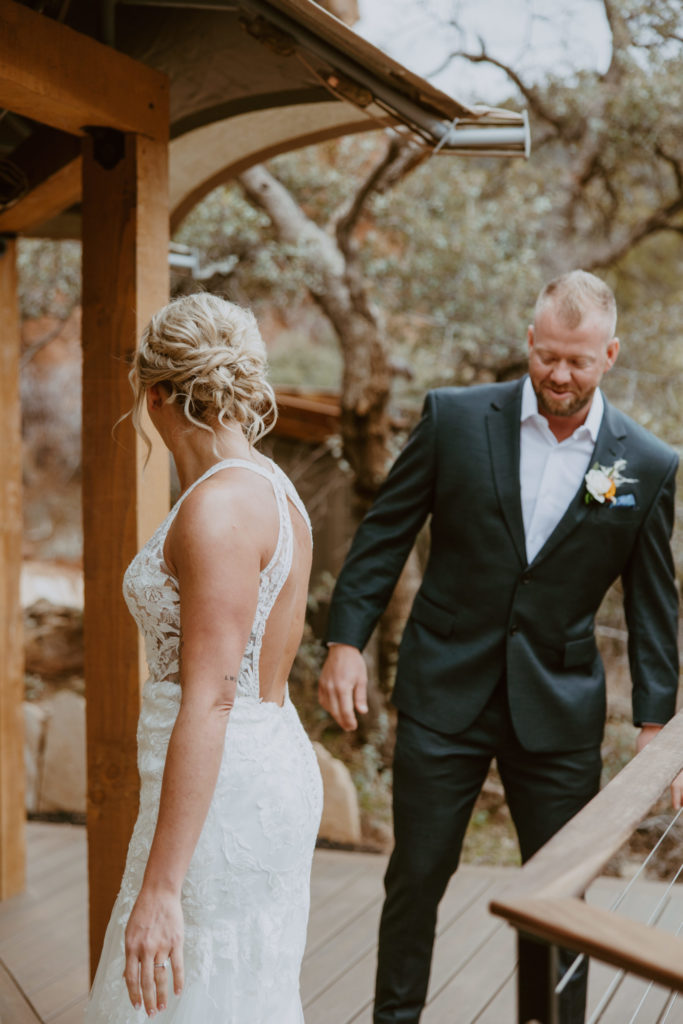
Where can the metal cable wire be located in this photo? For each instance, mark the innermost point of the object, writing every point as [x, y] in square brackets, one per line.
[649, 988]
[668, 1007]
[654, 917]
[575, 964]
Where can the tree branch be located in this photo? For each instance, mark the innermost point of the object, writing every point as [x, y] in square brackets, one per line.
[621, 40]
[660, 220]
[266, 192]
[401, 156]
[676, 165]
[530, 95]
[37, 346]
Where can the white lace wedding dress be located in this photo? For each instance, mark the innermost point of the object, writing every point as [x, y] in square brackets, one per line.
[246, 894]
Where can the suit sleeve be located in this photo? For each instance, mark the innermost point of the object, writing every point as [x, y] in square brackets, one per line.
[651, 607]
[385, 537]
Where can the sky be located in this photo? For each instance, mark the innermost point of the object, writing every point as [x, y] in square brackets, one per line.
[532, 35]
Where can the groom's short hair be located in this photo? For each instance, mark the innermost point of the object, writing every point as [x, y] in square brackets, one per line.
[577, 293]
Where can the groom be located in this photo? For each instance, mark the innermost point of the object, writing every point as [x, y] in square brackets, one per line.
[498, 658]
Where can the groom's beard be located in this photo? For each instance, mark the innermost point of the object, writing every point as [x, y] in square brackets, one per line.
[567, 405]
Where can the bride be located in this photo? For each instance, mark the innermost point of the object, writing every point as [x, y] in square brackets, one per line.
[210, 922]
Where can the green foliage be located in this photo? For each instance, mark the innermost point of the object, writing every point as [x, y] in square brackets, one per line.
[49, 277]
[456, 252]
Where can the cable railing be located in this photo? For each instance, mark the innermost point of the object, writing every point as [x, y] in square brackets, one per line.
[546, 900]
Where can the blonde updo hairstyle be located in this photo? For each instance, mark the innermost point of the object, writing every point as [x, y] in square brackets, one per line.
[209, 356]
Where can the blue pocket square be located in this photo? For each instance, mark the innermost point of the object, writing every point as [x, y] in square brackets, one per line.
[624, 501]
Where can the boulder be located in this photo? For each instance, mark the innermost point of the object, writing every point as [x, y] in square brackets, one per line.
[63, 777]
[53, 640]
[35, 719]
[341, 815]
[56, 582]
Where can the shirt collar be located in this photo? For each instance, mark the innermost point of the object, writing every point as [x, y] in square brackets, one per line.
[591, 424]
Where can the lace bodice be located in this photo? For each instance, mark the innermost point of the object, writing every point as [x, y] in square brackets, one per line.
[151, 590]
[245, 895]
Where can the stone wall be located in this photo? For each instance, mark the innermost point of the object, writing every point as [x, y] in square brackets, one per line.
[54, 712]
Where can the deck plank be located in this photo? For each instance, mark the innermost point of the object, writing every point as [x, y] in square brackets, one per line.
[14, 1006]
[72, 1014]
[43, 942]
[470, 988]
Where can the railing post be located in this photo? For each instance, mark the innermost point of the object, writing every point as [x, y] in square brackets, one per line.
[537, 1002]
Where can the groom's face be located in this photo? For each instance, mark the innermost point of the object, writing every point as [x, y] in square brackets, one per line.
[566, 364]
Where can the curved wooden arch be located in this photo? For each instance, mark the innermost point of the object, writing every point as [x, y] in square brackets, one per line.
[211, 155]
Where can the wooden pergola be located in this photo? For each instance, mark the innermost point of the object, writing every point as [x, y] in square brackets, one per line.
[119, 109]
[97, 127]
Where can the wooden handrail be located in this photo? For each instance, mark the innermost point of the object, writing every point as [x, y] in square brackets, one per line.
[545, 899]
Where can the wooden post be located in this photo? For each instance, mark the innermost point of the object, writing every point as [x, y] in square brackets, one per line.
[12, 806]
[125, 280]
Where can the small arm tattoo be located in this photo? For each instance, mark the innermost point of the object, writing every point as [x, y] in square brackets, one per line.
[230, 679]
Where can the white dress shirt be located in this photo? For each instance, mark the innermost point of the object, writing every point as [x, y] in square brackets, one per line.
[551, 471]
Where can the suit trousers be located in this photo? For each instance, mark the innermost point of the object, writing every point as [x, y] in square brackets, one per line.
[437, 778]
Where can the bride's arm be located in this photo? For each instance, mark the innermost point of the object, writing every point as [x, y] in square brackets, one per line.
[216, 549]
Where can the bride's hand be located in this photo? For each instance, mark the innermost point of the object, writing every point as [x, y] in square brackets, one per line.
[154, 937]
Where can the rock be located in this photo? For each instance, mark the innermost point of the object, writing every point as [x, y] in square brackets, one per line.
[56, 582]
[34, 737]
[53, 640]
[63, 780]
[341, 816]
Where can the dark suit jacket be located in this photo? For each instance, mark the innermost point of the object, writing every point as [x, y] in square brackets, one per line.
[482, 612]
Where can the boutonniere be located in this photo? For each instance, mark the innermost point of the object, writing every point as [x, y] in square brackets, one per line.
[602, 482]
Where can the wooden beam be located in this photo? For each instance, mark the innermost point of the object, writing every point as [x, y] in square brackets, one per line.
[307, 417]
[125, 280]
[62, 78]
[12, 810]
[50, 164]
[51, 197]
[630, 945]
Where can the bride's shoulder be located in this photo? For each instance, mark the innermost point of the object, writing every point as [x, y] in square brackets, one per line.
[228, 509]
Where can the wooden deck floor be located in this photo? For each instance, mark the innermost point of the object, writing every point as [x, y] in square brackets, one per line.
[43, 970]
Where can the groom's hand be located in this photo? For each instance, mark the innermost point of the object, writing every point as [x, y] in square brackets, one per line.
[647, 733]
[344, 684]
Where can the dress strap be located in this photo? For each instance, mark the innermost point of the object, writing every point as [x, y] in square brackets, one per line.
[223, 464]
[293, 495]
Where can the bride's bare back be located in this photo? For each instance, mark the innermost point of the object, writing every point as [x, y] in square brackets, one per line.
[241, 539]
[286, 621]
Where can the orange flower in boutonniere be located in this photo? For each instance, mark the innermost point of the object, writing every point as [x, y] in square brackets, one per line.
[602, 482]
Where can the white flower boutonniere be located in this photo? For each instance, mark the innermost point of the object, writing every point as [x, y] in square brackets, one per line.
[602, 482]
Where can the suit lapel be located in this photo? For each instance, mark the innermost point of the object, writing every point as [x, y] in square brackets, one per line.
[502, 425]
[608, 448]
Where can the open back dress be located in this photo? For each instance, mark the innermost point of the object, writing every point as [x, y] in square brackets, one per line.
[245, 898]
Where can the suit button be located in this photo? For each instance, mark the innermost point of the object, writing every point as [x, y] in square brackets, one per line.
[513, 630]
[526, 577]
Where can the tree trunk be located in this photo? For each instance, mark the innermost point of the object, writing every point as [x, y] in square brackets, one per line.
[367, 376]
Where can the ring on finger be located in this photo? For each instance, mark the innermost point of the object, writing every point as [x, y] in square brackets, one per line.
[162, 966]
